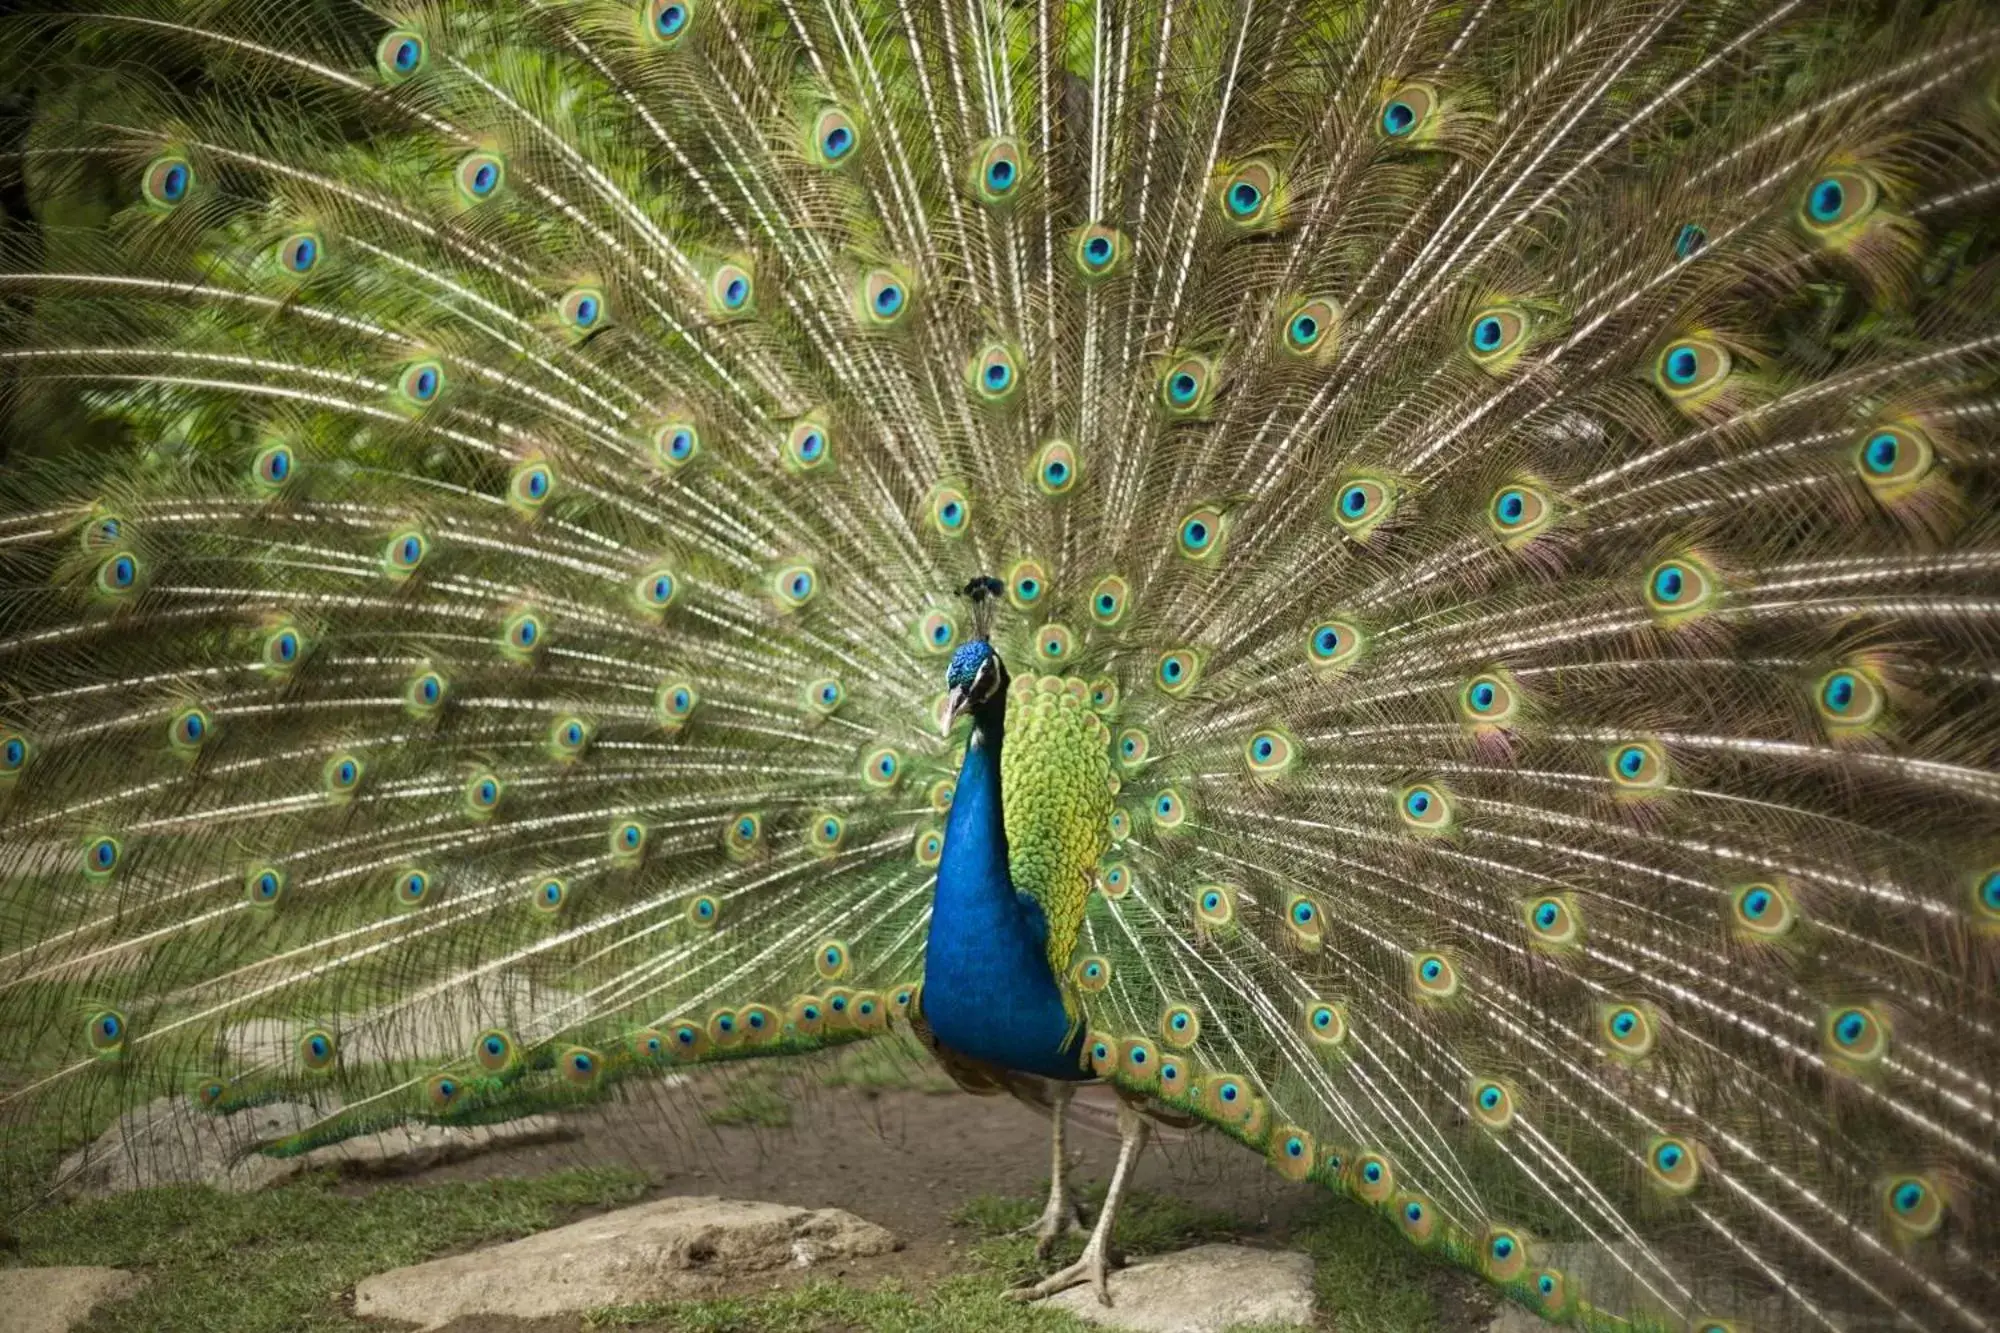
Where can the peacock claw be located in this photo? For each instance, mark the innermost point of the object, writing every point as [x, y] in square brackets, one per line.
[1093, 1267]
[1060, 1218]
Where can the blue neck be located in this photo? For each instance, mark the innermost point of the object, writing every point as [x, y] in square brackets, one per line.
[988, 991]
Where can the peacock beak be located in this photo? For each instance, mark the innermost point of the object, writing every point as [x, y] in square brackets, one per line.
[956, 702]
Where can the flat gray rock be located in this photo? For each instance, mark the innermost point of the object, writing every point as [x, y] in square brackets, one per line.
[171, 1141]
[1203, 1290]
[667, 1249]
[55, 1300]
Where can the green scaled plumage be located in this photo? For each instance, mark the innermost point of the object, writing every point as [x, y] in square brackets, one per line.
[1517, 482]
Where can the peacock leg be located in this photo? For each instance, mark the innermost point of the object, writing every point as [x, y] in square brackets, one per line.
[1061, 1216]
[1094, 1266]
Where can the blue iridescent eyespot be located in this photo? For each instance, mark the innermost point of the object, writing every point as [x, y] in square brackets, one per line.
[1690, 241]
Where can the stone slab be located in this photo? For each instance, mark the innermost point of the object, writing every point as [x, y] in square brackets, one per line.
[1207, 1289]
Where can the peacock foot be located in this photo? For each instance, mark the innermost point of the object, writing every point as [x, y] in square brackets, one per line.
[1094, 1267]
[1062, 1216]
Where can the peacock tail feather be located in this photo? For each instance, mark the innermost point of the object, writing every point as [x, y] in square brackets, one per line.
[1517, 482]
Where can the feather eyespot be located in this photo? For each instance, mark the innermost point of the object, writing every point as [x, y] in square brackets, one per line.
[118, 574]
[107, 1032]
[1425, 808]
[1248, 195]
[549, 895]
[1689, 241]
[1027, 583]
[1553, 921]
[1333, 644]
[1495, 338]
[442, 1091]
[318, 1050]
[1407, 113]
[666, 21]
[1504, 1255]
[997, 170]
[993, 374]
[1270, 753]
[1107, 600]
[743, 834]
[937, 632]
[654, 591]
[1678, 590]
[411, 887]
[881, 767]
[1372, 1177]
[1302, 918]
[583, 311]
[1673, 1165]
[1891, 459]
[1215, 904]
[299, 253]
[1114, 880]
[15, 752]
[831, 960]
[1176, 672]
[420, 383]
[1627, 1029]
[1637, 767]
[928, 848]
[168, 182]
[341, 776]
[674, 702]
[482, 794]
[1488, 700]
[1200, 533]
[1763, 910]
[1856, 1035]
[1688, 369]
[834, 137]
[1313, 328]
[1168, 810]
[1326, 1023]
[825, 832]
[628, 841]
[1187, 385]
[272, 468]
[1098, 252]
[1518, 512]
[579, 1065]
[1053, 643]
[882, 299]
[1180, 1025]
[1362, 504]
[824, 695]
[522, 634]
[530, 485]
[401, 54]
[1055, 468]
[479, 176]
[1848, 699]
[1091, 974]
[1837, 200]
[732, 291]
[1492, 1104]
[493, 1049]
[794, 586]
[1914, 1206]
[190, 729]
[1433, 976]
[675, 443]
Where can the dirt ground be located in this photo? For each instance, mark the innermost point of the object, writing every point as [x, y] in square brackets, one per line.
[904, 1159]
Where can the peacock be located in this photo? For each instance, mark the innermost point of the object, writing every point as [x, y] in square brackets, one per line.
[1413, 584]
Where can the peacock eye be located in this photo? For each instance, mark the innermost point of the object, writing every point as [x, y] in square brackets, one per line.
[479, 176]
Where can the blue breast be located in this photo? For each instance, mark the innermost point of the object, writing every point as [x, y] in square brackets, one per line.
[988, 991]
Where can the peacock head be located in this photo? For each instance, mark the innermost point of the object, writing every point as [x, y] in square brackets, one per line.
[976, 678]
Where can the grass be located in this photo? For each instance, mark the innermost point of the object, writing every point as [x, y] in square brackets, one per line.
[886, 1064]
[751, 1099]
[279, 1260]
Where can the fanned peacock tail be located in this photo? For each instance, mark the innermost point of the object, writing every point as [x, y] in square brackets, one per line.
[1516, 485]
